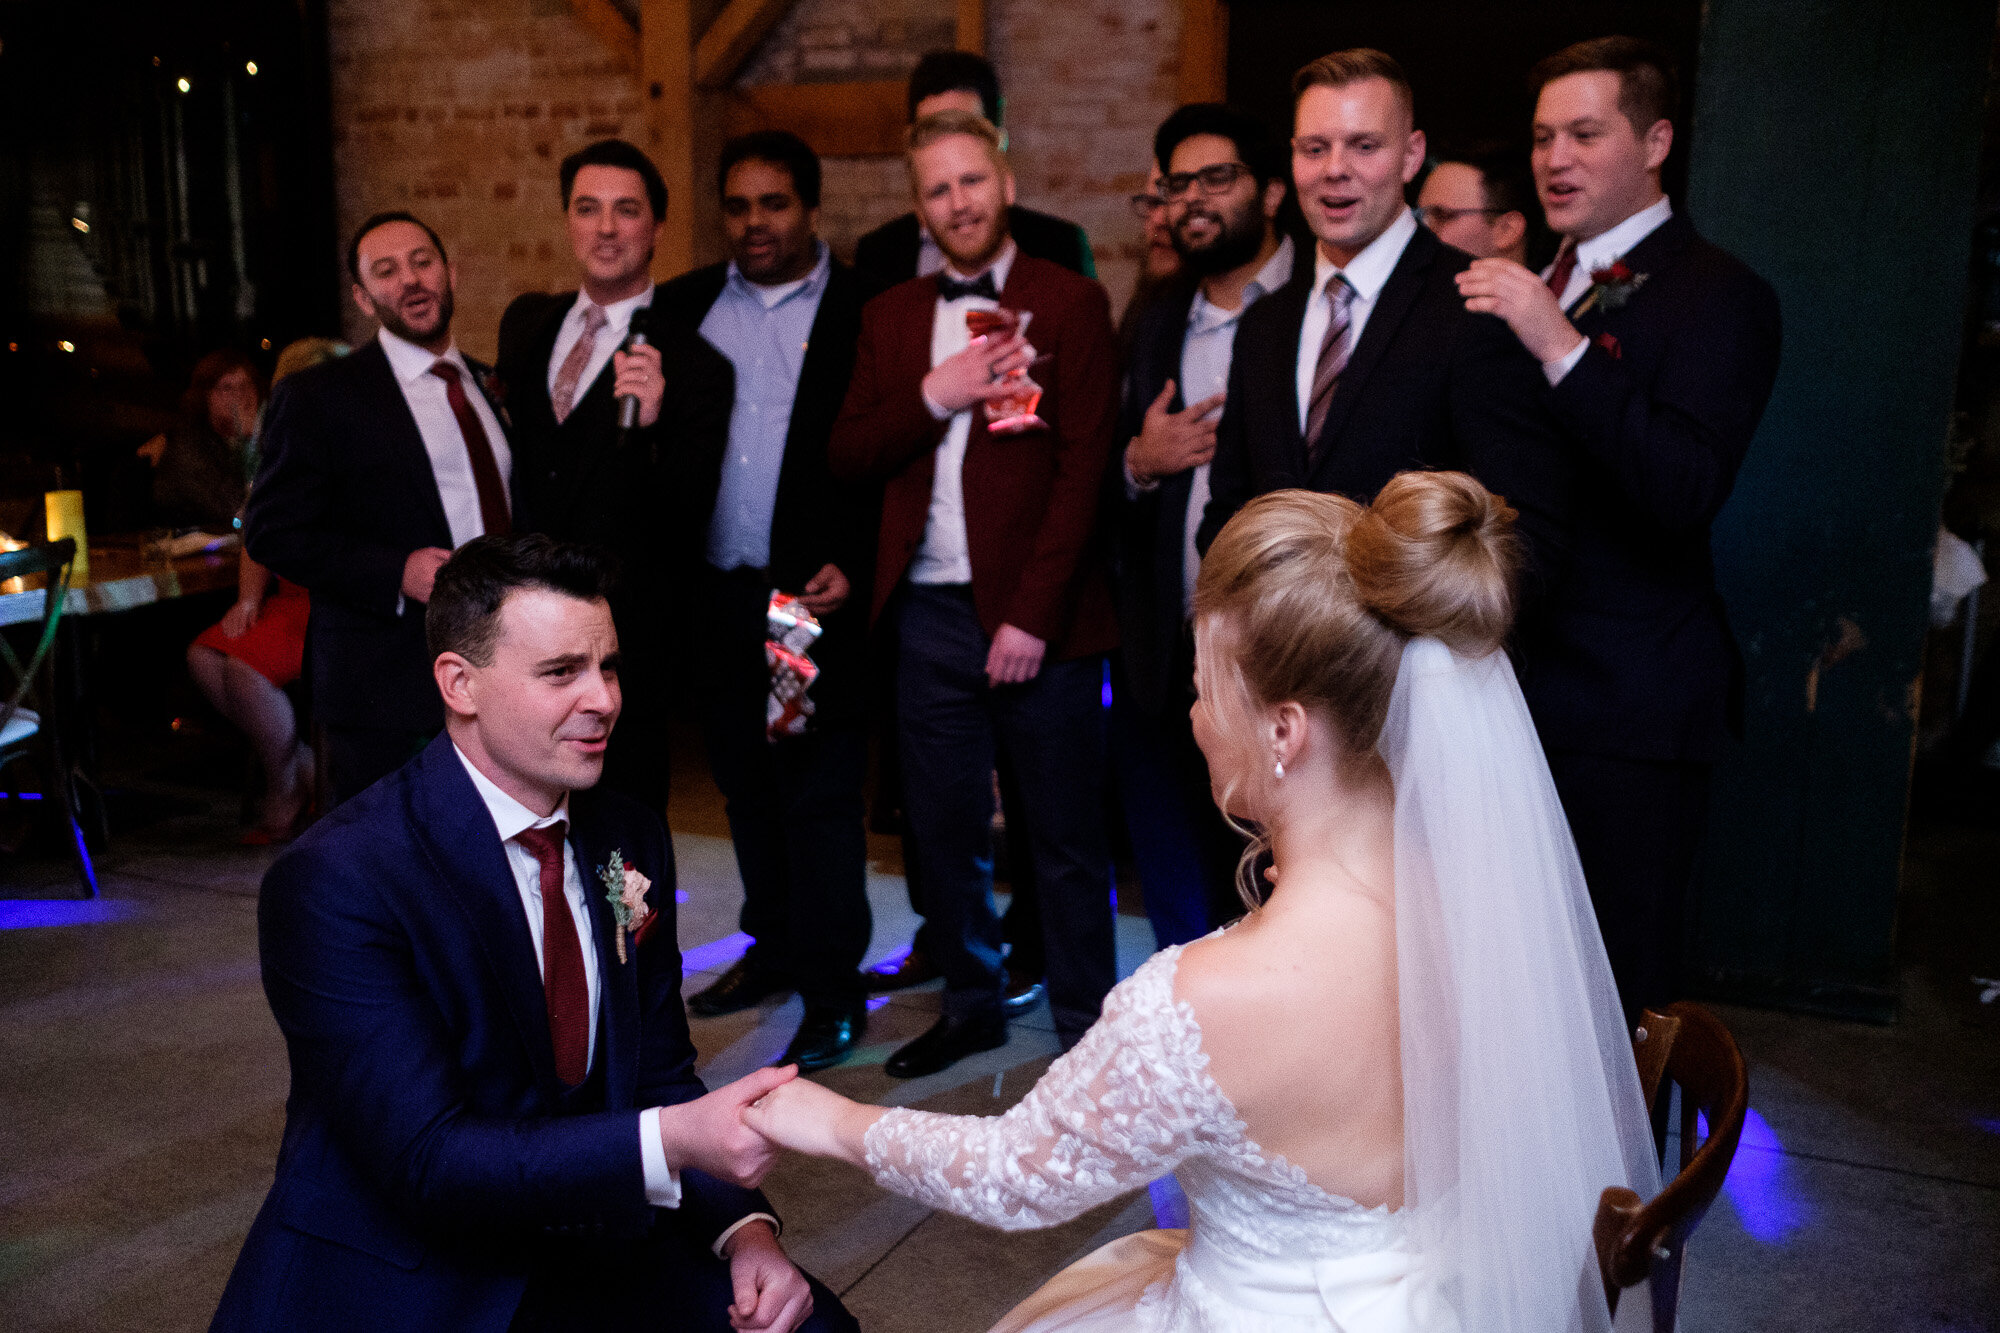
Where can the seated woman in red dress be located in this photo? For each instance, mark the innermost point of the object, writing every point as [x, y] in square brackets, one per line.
[244, 663]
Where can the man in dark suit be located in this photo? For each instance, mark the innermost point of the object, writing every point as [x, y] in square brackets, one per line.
[787, 314]
[903, 248]
[1223, 185]
[1660, 351]
[1368, 364]
[988, 576]
[494, 1121]
[375, 467]
[646, 493]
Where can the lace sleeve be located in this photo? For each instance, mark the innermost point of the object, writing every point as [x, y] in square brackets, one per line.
[1127, 1105]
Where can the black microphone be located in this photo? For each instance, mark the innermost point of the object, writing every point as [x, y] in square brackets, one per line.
[628, 403]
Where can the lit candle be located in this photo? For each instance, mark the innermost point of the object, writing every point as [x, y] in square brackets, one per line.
[65, 514]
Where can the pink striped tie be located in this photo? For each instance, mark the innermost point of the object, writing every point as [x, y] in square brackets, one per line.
[563, 397]
[1333, 354]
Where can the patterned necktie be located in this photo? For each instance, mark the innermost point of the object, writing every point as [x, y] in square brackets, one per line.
[564, 986]
[1333, 352]
[493, 515]
[563, 397]
[1565, 265]
[951, 288]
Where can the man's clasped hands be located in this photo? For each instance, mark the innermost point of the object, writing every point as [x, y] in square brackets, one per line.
[735, 1133]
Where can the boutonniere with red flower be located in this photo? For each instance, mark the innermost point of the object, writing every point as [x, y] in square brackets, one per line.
[1611, 286]
[495, 390]
[625, 889]
[1609, 342]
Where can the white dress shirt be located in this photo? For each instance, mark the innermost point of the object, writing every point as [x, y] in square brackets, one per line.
[617, 320]
[451, 464]
[1599, 251]
[1367, 275]
[944, 556]
[1207, 349]
[510, 817]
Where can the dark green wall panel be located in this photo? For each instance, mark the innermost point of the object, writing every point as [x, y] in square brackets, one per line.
[1835, 149]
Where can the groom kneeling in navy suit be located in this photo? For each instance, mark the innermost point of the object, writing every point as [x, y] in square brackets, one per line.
[494, 1120]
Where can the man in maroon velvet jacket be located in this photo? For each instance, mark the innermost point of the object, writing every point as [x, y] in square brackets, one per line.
[990, 580]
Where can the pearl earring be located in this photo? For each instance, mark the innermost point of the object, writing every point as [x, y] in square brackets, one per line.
[1279, 769]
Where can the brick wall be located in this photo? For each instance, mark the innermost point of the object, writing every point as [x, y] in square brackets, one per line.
[459, 110]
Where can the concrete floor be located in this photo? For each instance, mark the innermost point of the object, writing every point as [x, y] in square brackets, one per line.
[142, 1085]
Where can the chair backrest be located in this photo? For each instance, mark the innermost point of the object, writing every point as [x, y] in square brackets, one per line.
[1637, 1240]
[52, 559]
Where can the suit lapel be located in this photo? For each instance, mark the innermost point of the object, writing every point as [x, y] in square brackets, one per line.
[406, 439]
[1655, 251]
[465, 850]
[1392, 305]
[1281, 360]
[618, 983]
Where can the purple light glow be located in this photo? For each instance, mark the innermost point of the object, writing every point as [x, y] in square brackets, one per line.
[876, 1002]
[1990, 1124]
[680, 895]
[717, 953]
[1170, 1205]
[35, 913]
[1761, 1184]
[892, 962]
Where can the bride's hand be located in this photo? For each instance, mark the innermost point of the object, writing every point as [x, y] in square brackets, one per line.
[804, 1117]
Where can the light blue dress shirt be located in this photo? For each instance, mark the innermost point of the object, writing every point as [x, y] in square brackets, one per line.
[763, 331]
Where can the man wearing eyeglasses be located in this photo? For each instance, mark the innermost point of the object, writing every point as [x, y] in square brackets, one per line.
[1481, 201]
[1368, 363]
[1223, 183]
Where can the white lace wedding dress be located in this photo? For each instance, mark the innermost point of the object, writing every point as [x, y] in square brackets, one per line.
[1521, 1100]
[1266, 1250]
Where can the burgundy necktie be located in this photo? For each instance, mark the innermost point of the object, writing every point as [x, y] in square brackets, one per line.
[1560, 274]
[485, 472]
[564, 985]
[1333, 353]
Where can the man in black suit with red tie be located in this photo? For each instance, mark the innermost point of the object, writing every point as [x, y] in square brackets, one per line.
[1368, 364]
[376, 466]
[645, 493]
[1660, 351]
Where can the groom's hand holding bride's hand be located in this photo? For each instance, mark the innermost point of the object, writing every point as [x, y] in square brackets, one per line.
[709, 1133]
[806, 1118]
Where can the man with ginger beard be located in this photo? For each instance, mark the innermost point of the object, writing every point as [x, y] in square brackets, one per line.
[1368, 363]
[989, 580]
[1223, 186]
[376, 467]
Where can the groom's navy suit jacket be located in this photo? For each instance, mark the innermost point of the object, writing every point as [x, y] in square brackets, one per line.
[432, 1160]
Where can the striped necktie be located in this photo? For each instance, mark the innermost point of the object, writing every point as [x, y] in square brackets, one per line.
[1333, 353]
[563, 396]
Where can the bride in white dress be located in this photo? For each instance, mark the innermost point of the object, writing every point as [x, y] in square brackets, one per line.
[1394, 1091]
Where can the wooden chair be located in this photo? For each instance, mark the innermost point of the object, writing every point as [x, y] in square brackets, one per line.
[1637, 1241]
[24, 729]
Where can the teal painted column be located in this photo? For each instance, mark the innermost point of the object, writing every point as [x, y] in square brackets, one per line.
[1835, 149]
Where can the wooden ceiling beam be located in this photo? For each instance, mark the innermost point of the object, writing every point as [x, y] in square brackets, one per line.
[612, 28]
[733, 38]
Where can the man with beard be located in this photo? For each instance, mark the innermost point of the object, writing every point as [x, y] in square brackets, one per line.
[376, 467]
[1368, 363]
[646, 493]
[1223, 185]
[988, 577]
[787, 314]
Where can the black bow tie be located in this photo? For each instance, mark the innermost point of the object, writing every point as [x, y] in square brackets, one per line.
[951, 289]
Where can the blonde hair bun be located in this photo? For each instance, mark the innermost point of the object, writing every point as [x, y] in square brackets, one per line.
[1436, 556]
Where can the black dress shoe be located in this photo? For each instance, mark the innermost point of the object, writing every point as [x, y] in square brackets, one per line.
[826, 1036]
[913, 969]
[740, 987]
[1022, 992]
[947, 1042]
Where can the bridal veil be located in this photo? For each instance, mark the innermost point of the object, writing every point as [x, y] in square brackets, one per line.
[1521, 1095]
